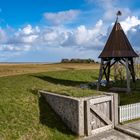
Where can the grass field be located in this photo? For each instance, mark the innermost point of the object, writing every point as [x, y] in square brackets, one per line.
[24, 115]
[14, 69]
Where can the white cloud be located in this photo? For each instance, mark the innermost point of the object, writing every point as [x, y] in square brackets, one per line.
[29, 39]
[110, 14]
[50, 36]
[18, 41]
[129, 23]
[3, 36]
[133, 34]
[89, 37]
[109, 8]
[71, 52]
[8, 55]
[25, 36]
[32, 38]
[82, 38]
[61, 17]
[29, 30]
[14, 48]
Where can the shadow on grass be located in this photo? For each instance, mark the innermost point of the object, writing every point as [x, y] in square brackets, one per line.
[123, 84]
[49, 118]
[60, 81]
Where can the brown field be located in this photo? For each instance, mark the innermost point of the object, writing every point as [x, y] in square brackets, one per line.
[15, 69]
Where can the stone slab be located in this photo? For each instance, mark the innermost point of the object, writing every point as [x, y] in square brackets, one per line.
[132, 129]
[134, 125]
[111, 135]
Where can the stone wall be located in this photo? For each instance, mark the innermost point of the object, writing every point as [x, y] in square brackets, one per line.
[71, 110]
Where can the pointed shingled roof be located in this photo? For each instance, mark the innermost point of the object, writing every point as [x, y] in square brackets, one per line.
[117, 44]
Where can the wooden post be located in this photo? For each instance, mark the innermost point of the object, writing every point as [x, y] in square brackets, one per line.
[100, 74]
[116, 113]
[128, 76]
[115, 71]
[108, 72]
[87, 118]
[133, 71]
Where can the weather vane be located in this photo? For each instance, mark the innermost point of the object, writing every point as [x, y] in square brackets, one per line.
[118, 14]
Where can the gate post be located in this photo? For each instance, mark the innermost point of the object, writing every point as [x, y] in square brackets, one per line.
[116, 108]
[87, 118]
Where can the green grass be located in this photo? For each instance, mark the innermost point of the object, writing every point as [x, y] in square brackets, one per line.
[129, 98]
[26, 115]
[133, 96]
[67, 82]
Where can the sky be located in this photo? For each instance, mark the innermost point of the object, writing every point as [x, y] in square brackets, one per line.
[50, 30]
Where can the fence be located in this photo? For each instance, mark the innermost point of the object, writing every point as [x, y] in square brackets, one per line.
[129, 112]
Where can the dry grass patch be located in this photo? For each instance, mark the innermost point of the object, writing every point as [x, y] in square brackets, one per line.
[16, 69]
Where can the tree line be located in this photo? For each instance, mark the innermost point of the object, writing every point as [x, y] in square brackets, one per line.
[78, 60]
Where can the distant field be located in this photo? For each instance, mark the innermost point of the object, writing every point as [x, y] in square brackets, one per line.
[14, 69]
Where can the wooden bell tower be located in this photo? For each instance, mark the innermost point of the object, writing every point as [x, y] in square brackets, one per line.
[117, 50]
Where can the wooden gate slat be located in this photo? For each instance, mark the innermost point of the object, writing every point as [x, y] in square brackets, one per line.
[100, 100]
[101, 129]
[100, 115]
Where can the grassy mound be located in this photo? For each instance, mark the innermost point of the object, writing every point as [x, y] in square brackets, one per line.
[26, 115]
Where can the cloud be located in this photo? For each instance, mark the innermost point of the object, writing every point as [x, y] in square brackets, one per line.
[63, 40]
[27, 30]
[80, 37]
[16, 42]
[71, 33]
[40, 38]
[129, 23]
[62, 17]
[3, 36]
[9, 51]
[8, 56]
[27, 35]
[14, 48]
[133, 35]
[109, 8]
[89, 37]
[110, 14]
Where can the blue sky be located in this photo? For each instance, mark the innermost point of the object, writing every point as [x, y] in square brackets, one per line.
[49, 30]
